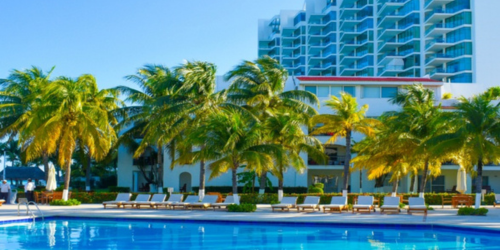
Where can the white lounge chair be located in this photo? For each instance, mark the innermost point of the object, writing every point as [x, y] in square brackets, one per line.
[174, 198]
[286, 204]
[310, 202]
[205, 203]
[120, 198]
[219, 205]
[497, 200]
[365, 204]
[391, 204]
[417, 204]
[187, 201]
[337, 203]
[139, 198]
[157, 198]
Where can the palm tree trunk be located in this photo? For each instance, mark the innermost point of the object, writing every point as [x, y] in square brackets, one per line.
[201, 191]
[479, 182]
[88, 173]
[347, 159]
[412, 184]
[67, 177]
[361, 181]
[395, 185]
[234, 180]
[263, 180]
[423, 182]
[45, 160]
[159, 161]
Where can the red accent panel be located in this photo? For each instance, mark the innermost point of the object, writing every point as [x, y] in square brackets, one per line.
[362, 79]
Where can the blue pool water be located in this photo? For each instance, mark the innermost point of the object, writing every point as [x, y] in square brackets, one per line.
[67, 233]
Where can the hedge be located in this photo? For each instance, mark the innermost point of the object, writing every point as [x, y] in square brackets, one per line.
[229, 189]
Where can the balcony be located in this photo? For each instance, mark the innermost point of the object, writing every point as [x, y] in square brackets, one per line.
[353, 68]
[438, 59]
[391, 70]
[433, 4]
[352, 57]
[348, 46]
[436, 45]
[390, 6]
[441, 14]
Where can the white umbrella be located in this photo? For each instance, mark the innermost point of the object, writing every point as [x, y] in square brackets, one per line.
[51, 179]
[461, 180]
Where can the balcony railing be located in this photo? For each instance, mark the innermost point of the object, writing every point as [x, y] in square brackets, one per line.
[333, 160]
[144, 161]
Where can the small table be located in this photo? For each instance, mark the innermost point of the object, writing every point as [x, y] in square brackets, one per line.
[47, 197]
[461, 200]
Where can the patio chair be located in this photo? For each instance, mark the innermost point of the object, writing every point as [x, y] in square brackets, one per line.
[139, 198]
[365, 204]
[311, 202]
[446, 200]
[187, 201]
[120, 198]
[286, 204]
[497, 200]
[220, 205]
[416, 204]
[337, 204]
[391, 204]
[174, 198]
[157, 198]
[203, 204]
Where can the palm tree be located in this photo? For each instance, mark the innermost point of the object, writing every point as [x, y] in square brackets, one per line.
[20, 95]
[231, 139]
[476, 133]
[70, 117]
[286, 131]
[160, 90]
[419, 121]
[346, 119]
[259, 86]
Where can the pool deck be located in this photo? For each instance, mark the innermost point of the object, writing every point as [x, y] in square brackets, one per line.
[442, 217]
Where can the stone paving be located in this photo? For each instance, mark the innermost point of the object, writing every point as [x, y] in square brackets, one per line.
[438, 216]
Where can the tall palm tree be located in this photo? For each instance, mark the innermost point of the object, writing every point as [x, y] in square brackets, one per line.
[20, 95]
[71, 116]
[346, 119]
[231, 140]
[259, 86]
[159, 91]
[419, 121]
[476, 133]
[286, 131]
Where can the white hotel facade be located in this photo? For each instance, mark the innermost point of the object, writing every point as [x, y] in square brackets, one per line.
[370, 69]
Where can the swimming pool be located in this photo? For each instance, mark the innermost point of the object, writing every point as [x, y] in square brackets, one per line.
[85, 233]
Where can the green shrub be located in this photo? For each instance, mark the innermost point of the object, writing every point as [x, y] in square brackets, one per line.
[247, 208]
[472, 211]
[229, 189]
[70, 202]
[316, 188]
[119, 189]
[259, 198]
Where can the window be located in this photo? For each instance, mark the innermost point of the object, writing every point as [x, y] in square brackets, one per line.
[323, 91]
[389, 92]
[435, 185]
[311, 89]
[351, 90]
[371, 92]
[336, 90]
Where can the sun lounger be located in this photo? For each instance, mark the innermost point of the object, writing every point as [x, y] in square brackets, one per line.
[365, 204]
[205, 203]
[139, 198]
[120, 198]
[286, 204]
[219, 205]
[157, 198]
[310, 202]
[174, 198]
[338, 203]
[417, 204]
[391, 204]
[187, 201]
[497, 200]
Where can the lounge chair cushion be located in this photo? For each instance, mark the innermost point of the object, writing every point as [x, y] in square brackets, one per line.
[310, 201]
[418, 207]
[139, 198]
[365, 200]
[362, 206]
[416, 201]
[286, 202]
[391, 201]
[121, 197]
[339, 200]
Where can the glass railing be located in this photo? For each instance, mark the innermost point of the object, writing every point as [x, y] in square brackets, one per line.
[333, 160]
[393, 67]
[433, 27]
[437, 56]
[434, 42]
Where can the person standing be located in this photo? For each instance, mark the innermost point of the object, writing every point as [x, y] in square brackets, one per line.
[28, 189]
[4, 191]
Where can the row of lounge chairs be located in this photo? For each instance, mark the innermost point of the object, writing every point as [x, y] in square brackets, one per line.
[338, 204]
[173, 202]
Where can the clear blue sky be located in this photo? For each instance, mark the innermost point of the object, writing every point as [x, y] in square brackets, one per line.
[112, 38]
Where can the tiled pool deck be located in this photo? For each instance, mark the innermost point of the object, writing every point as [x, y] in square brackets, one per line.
[439, 216]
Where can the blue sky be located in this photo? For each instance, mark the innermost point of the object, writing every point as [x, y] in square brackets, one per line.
[111, 39]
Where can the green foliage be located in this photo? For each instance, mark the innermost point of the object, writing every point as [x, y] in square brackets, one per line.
[472, 211]
[70, 202]
[259, 198]
[316, 188]
[229, 189]
[119, 189]
[246, 208]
